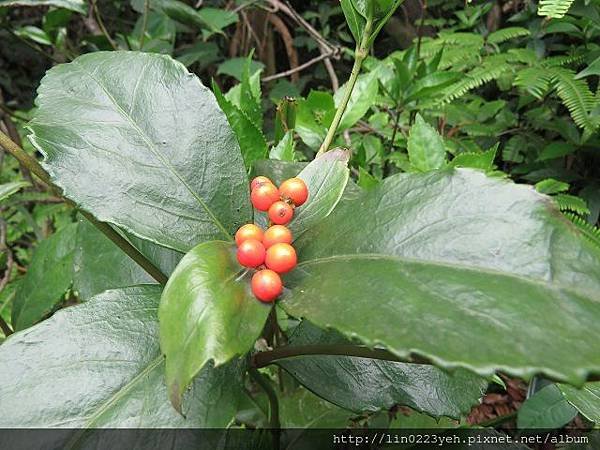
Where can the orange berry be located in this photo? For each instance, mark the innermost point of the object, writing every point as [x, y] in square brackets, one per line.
[294, 189]
[248, 231]
[266, 285]
[251, 253]
[281, 213]
[277, 234]
[281, 258]
[263, 196]
[257, 181]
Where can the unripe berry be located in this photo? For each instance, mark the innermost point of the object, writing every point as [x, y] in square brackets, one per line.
[281, 213]
[263, 196]
[248, 231]
[294, 189]
[257, 181]
[251, 253]
[281, 258]
[266, 285]
[277, 234]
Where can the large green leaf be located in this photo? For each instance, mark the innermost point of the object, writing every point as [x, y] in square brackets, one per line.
[48, 278]
[547, 408]
[99, 365]
[99, 264]
[361, 384]
[314, 116]
[79, 6]
[207, 312]
[152, 151]
[455, 267]
[302, 409]
[586, 399]
[426, 149]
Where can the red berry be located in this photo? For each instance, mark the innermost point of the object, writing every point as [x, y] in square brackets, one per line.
[294, 189]
[257, 181]
[277, 234]
[281, 258]
[281, 213]
[263, 196]
[251, 253]
[266, 285]
[248, 231]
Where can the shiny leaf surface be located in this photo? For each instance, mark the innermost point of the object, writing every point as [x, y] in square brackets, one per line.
[362, 384]
[586, 399]
[444, 252]
[139, 129]
[547, 408]
[426, 149]
[99, 365]
[207, 312]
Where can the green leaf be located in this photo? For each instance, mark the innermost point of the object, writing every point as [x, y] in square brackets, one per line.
[284, 150]
[547, 408]
[430, 85]
[586, 399]
[363, 97]
[314, 115]
[99, 365]
[8, 189]
[446, 249]
[207, 312]
[326, 178]
[591, 70]
[356, 23]
[365, 179]
[48, 278]
[79, 6]
[507, 33]
[99, 264]
[556, 150]
[361, 384]
[140, 130]
[303, 409]
[412, 420]
[278, 171]
[426, 149]
[551, 186]
[234, 67]
[250, 138]
[483, 161]
[34, 34]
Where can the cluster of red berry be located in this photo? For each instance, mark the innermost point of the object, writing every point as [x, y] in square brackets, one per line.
[270, 251]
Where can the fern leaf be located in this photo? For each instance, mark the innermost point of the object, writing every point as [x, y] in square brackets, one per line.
[572, 203]
[534, 80]
[491, 69]
[562, 60]
[576, 96]
[588, 230]
[505, 34]
[554, 8]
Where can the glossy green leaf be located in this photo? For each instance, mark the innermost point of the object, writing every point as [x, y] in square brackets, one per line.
[234, 67]
[8, 189]
[426, 149]
[48, 278]
[285, 149]
[483, 161]
[361, 384]
[146, 116]
[99, 264]
[303, 409]
[99, 365]
[277, 171]
[586, 399]
[250, 138]
[326, 178]
[551, 186]
[207, 312]
[355, 21]
[446, 251]
[556, 150]
[34, 34]
[363, 97]
[79, 6]
[314, 115]
[413, 420]
[591, 70]
[547, 408]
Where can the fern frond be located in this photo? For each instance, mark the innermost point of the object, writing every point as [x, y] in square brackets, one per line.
[491, 69]
[588, 230]
[562, 60]
[572, 203]
[576, 96]
[554, 8]
[522, 55]
[505, 34]
[534, 80]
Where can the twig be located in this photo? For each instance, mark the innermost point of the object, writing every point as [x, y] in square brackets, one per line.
[101, 25]
[296, 69]
[288, 42]
[34, 166]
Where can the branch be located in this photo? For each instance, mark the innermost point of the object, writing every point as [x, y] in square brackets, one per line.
[274, 423]
[297, 68]
[34, 166]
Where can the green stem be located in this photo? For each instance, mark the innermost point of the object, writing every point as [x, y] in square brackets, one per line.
[360, 54]
[263, 359]
[34, 167]
[274, 423]
[144, 24]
